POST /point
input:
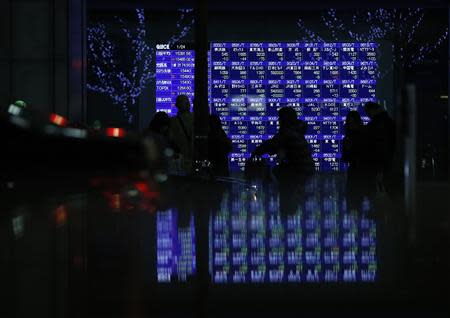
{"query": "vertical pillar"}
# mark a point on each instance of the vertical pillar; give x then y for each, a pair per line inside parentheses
(60, 42)
(5, 52)
(410, 164)
(42, 45)
(77, 60)
(31, 53)
(201, 109)
(201, 126)
(448, 101)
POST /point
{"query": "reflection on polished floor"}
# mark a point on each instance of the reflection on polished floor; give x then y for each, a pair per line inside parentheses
(313, 236)
(195, 247)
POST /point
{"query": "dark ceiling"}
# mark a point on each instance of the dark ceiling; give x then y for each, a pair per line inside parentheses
(262, 5)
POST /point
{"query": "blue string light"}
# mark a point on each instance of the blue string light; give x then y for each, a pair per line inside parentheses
(398, 26)
(124, 84)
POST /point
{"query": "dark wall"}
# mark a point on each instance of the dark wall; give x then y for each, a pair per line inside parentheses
(432, 122)
(38, 63)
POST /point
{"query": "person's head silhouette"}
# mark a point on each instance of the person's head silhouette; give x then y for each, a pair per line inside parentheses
(160, 123)
(183, 104)
(353, 120)
(372, 109)
(287, 116)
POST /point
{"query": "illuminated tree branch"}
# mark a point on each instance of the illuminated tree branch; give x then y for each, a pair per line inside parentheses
(124, 81)
(397, 26)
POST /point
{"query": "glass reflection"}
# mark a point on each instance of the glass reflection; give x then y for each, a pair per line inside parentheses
(175, 247)
(270, 235)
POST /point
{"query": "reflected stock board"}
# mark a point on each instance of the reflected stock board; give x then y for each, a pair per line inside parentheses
(274, 238)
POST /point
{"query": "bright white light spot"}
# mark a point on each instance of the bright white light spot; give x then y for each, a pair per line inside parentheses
(161, 177)
(14, 110)
(168, 152)
(75, 133)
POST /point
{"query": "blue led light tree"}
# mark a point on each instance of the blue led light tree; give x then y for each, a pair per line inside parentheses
(396, 26)
(123, 78)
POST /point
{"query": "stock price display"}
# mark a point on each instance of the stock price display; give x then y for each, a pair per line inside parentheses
(249, 82)
(174, 75)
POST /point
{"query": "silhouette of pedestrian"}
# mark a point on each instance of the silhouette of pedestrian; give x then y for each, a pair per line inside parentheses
(159, 146)
(360, 183)
(289, 144)
(380, 139)
(181, 132)
(219, 146)
(353, 143)
(159, 125)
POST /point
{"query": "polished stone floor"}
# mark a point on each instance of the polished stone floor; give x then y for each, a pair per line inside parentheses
(123, 247)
